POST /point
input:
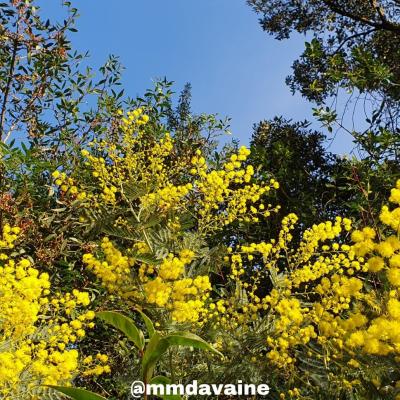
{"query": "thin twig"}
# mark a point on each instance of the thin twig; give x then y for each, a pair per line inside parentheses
(8, 86)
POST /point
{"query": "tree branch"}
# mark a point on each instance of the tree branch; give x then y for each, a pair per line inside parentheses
(7, 89)
(353, 37)
(384, 25)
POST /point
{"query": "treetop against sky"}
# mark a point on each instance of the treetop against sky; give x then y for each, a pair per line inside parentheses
(235, 69)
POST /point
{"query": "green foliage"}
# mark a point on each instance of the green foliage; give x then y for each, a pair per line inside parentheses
(44, 82)
(157, 345)
(355, 48)
(350, 69)
(125, 325)
(148, 323)
(77, 394)
(295, 156)
(60, 106)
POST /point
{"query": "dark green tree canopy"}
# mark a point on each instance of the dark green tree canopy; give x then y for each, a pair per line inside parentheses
(281, 17)
(350, 69)
(295, 155)
(355, 45)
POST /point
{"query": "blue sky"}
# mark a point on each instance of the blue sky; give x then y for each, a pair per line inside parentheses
(235, 68)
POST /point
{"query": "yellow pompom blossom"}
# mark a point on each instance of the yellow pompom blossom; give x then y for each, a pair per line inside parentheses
(165, 285)
(38, 331)
(146, 175)
(114, 270)
(322, 299)
(67, 185)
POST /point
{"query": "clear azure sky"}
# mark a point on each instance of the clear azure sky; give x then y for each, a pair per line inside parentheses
(235, 68)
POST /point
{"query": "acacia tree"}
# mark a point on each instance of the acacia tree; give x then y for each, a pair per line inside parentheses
(141, 217)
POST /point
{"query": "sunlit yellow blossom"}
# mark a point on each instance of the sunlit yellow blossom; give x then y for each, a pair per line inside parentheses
(36, 340)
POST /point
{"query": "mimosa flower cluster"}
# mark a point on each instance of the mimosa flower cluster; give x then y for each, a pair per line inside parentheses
(38, 330)
(113, 270)
(160, 179)
(184, 296)
(142, 176)
(165, 285)
(334, 298)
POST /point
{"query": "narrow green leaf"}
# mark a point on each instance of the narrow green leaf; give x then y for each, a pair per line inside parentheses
(125, 325)
(151, 356)
(147, 321)
(159, 345)
(189, 340)
(77, 394)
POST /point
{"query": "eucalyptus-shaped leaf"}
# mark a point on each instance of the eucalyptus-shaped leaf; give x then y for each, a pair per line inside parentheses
(153, 349)
(125, 325)
(147, 321)
(159, 345)
(190, 340)
(77, 394)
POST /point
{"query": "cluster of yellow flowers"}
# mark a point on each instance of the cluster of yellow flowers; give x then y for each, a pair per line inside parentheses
(38, 333)
(289, 330)
(10, 235)
(290, 268)
(137, 161)
(323, 291)
(165, 285)
(168, 197)
(184, 297)
(130, 160)
(227, 195)
(133, 119)
(114, 270)
(96, 365)
(380, 335)
(67, 185)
